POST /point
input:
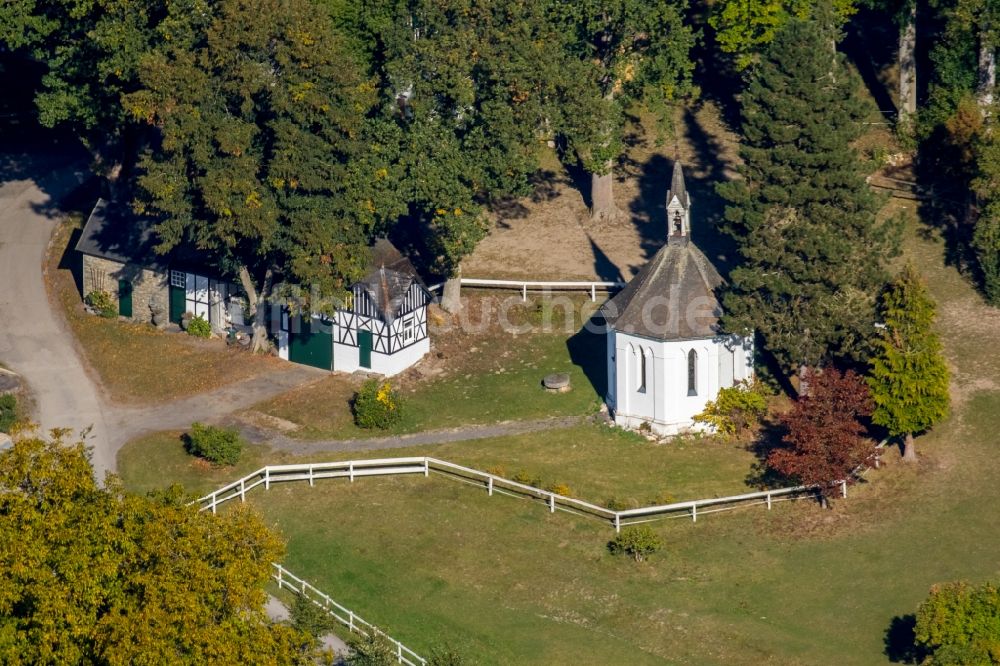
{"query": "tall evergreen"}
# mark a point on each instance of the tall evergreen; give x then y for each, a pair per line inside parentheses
(909, 377)
(812, 252)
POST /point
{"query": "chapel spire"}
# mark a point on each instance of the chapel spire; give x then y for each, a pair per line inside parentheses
(678, 207)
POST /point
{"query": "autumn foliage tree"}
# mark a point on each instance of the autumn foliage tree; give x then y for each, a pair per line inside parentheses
(96, 575)
(959, 624)
(825, 439)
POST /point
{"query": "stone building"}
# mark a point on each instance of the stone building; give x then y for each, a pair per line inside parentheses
(666, 355)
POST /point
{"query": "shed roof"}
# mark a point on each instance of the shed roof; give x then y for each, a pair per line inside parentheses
(390, 275)
(114, 232)
(670, 298)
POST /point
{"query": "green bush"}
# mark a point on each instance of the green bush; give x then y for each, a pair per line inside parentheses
(103, 303)
(560, 488)
(445, 656)
(736, 409)
(309, 618)
(199, 327)
(221, 446)
(636, 542)
(527, 478)
(8, 412)
(371, 650)
(376, 405)
(620, 503)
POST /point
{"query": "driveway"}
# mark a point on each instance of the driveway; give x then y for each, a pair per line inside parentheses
(36, 343)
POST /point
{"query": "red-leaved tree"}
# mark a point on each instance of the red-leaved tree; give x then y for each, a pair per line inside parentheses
(824, 437)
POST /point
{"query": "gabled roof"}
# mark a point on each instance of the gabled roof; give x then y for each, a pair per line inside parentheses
(113, 232)
(389, 278)
(671, 298)
(677, 187)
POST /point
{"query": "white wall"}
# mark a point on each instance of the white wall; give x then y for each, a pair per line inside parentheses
(346, 358)
(665, 404)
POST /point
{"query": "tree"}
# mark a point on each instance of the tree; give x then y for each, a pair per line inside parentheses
(372, 649)
(812, 252)
(909, 377)
(97, 575)
(986, 186)
(824, 437)
(959, 624)
(631, 51)
(638, 542)
(260, 159)
(745, 27)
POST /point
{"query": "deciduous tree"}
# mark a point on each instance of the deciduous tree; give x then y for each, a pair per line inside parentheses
(97, 575)
(909, 376)
(812, 252)
(825, 439)
(959, 624)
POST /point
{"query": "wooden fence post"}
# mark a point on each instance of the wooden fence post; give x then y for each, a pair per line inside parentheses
(694, 513)
(489, 486)
(593, 293)
(843, 489)
(427, 468)
(552, 502)
(769, 501)
(350, 620)
(524, 291)
(350, 470)
(213, 502)
(618, 523)
(311, 483)
(267, 478)
(243, 490)
(280, 570)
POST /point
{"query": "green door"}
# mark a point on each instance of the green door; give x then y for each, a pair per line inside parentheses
(125, 298)
(177, 303)
(311, 346)
(365, 349)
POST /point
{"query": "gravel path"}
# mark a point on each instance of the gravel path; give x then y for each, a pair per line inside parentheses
(281, 442)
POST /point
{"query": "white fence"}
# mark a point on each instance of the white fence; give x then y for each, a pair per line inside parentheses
(352, 469)
(287, 580)
(525, 285)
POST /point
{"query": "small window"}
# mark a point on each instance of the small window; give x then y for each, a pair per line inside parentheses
(642, 371)
(692, 372)
(409, 330)
(177, 279)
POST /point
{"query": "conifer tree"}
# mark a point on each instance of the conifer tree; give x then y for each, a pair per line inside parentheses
(909, 377)
(803, 217)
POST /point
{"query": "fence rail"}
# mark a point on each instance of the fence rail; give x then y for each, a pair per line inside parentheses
(287, 580)
(535, 285)
(352, 469)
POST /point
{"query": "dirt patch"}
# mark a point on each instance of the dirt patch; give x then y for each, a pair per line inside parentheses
(552, 236)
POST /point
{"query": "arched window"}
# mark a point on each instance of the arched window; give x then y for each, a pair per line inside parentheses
(692, 372)
(642, 371)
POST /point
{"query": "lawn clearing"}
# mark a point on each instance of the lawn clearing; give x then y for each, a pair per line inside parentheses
(135, 362)
(469, 378)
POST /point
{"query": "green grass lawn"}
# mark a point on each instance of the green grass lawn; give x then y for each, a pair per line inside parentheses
(596, 462)
(506, 582)
(495, 379)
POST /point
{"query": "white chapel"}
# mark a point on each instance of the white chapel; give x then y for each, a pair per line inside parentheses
(666, 354)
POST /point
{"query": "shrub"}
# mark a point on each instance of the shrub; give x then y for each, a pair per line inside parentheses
(8, 412)
(199, 327)
(371, 650)
(560, 489)
(527, 478)
(376, 405)
(637, 542)
(445, 656)
(309, 618)
(103, 303)
(620, 503)
(221, 446)
(736, 409)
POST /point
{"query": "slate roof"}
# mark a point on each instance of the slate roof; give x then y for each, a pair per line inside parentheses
(389, 278)
(677, 186)
(671, 298)
(113, 232)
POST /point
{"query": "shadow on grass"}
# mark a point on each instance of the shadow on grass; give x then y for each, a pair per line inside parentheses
(769, 438)
(900, 641)
(588, 350)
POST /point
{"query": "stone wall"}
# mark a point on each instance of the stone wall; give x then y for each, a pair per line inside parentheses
(148, 285)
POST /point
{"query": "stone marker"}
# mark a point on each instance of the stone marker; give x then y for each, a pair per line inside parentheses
(557, 382)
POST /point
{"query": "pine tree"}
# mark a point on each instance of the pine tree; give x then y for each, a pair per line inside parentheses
(804, 219)
(909, 377)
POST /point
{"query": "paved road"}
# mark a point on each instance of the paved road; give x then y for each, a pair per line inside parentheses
(36, 343)
(33, 339)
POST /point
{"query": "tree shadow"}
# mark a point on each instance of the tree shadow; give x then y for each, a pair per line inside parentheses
(649, 208)
(588, 350)
(578, 176)
(870, 43)
(769, 437)
(707, 207)
(900, 641)
(715, 74)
